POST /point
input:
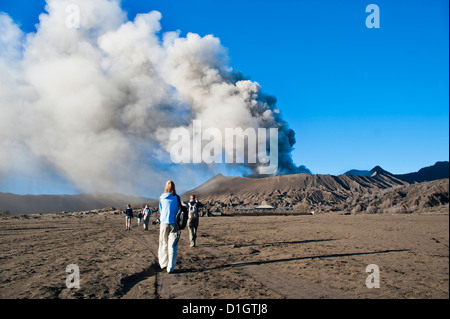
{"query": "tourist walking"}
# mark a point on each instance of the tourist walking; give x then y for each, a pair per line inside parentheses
(146, 212)
(169, 204)
(139, 217)
(193, 218)
(128, 216)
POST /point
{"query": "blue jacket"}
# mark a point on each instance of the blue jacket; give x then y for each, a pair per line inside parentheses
(129, 212)
(168, 207)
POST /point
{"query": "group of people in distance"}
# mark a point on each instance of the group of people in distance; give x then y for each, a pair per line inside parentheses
(145, 215)
(169, 235)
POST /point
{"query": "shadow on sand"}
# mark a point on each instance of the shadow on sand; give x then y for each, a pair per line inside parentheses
(264, 262)
(277, 243)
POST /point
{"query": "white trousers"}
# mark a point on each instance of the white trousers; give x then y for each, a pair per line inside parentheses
(168, 245)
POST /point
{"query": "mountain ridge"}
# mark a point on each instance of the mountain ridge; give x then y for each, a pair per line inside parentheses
(232, 191)
(323, 191)
(437, 171)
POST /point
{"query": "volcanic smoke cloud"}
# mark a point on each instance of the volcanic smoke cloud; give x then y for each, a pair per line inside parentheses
(96, 104)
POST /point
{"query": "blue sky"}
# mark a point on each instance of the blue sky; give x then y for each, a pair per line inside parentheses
(356, 97)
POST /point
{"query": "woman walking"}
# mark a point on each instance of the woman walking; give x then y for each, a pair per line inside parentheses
(147, 212)
(169, 204)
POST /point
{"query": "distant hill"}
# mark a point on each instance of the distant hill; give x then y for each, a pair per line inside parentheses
(27, 204)
(358, 172)
(375, 170)
(349, 192)
(288, 190)
(437, 171)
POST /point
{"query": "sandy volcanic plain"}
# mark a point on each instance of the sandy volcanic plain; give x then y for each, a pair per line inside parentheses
(307, 256)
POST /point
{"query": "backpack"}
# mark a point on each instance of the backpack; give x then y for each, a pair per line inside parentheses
(182, 215)
(193, 212)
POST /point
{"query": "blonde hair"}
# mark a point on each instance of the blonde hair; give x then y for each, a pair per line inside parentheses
(170, 188)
